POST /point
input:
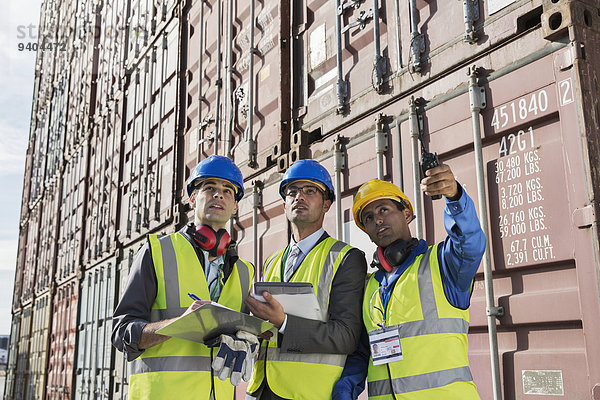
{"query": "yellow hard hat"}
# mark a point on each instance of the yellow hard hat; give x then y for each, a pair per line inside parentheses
(376, 190)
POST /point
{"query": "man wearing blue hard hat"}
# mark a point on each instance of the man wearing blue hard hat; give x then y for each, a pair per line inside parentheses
(307, 357)
(167, 275)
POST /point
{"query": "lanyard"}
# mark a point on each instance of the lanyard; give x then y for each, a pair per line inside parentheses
(371, 307)
(283, 261)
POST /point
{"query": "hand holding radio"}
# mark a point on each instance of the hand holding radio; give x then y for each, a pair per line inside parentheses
(438, 180)
(429, 161)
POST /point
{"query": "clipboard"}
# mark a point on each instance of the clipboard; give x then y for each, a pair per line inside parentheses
(211, 320)
(297, 298)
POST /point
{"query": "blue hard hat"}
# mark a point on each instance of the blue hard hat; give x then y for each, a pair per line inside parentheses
(307, 170)
(217, 167)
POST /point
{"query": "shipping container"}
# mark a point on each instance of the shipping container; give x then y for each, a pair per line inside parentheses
(149, 139)
(224, 79)
(23, 367)
(62, 340)
(57, 127)
(138, 23)
(27, 178)
(20, 268)
(374, 59)
(95, 354)
(13, 347)
(46, 52)
(72, 211)
(31, 255)
(47, 243)
(103, 198)
(65, 38)
(39, 142)
(111, 54)
(38, 352)
(83, 75)
(540, 178)
(364, 83)
(120, 370)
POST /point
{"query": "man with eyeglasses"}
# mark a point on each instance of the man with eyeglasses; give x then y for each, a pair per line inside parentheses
(200, 260)
(415, 307)
(307, 357)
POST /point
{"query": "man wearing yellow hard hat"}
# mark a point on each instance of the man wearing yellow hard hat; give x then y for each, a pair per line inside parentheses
(415, 307)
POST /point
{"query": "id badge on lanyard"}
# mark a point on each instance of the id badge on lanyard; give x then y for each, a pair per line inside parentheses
(384, 342)
(385, 345)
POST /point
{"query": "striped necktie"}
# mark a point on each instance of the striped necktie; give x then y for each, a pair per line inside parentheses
(290, 263)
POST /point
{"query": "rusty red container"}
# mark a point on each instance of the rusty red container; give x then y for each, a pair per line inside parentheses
(217, 86)
(62, 340)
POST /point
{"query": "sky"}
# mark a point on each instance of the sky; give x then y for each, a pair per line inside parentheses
(16, 92)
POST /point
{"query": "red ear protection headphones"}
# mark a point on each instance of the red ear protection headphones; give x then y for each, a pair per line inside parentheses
(393, 255)
(215, 243)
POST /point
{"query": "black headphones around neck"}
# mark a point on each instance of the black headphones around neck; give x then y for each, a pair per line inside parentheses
(393, 255)
(215, 242)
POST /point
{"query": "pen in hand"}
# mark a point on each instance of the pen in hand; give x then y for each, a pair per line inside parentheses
(193, 296)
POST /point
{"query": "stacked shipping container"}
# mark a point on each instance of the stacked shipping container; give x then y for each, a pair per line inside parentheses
(148, 89)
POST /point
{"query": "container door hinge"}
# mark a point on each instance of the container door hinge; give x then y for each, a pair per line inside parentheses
(584, 217)
(381, 143)
(497, 312)
(476, 92)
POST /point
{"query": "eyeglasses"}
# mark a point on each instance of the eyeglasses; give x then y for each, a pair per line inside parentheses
(308, 190)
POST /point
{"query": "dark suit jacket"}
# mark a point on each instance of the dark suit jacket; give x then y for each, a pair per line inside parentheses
(341, 333)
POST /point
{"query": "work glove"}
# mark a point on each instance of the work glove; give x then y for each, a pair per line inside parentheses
(235, 358)
(252, 349)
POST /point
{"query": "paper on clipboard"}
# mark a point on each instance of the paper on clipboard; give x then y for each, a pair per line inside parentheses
(211, 320)
(297, 298)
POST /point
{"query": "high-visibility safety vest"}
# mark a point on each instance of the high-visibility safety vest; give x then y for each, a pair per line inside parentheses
(178, 368)
(303, 376)
(433, 337)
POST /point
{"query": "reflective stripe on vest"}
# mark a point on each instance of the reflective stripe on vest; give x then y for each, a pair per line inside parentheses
(416, 372)
(186, 364)
(160, 364)
(287, 373)
(419, 382)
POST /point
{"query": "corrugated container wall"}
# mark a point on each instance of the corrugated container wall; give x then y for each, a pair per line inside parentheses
(72, 210)
(83, 75)
(103, 183)
(63, 333)
(94, 356)
(149, 138)
(31, 255)
(39, 347)
(146, 89)
(48, 242)
(23, 367)
(11, 368)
